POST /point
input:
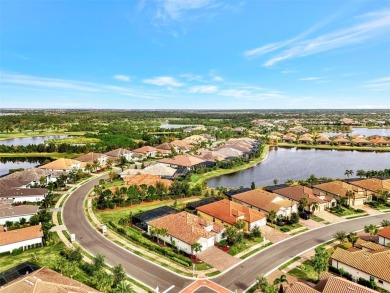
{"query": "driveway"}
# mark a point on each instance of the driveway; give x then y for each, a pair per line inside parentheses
(310, 224)
(272, 234)
(329, 217)
(218, 258)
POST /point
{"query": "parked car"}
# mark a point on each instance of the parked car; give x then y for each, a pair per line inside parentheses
(305, 216)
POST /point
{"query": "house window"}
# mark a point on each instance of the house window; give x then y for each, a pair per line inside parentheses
(380, 281)
(372, 279)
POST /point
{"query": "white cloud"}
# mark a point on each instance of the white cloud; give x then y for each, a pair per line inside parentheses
(371, 25)
(214, 76)
(246, 93)
(121, 77)
(176, 9)
(310, 78)
(204, 89)
(191, 77)
(379, 84)
(163, 81)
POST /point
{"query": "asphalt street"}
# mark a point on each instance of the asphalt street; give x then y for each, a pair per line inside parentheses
(239, 278)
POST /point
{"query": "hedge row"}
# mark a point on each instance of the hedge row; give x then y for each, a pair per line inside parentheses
(139, 239)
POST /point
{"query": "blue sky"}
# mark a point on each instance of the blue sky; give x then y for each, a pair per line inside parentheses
(195, 54)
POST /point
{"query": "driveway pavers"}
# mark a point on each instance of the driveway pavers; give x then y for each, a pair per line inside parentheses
(218, 258)
(272, 234)
(329, 217)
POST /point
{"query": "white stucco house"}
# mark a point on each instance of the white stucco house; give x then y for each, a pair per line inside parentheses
(21, 238)
(384, 236)
(185, 229)
(9, 213)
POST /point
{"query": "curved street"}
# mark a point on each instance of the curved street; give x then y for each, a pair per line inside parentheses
(239, 278)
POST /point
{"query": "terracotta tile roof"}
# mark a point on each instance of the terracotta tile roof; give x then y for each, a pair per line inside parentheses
(156, 169)
(323, 139)
(147, 180)
(263, 200)
(187, 227)
(297, 192)
(183, 160)
(229, 152)
(90, 157)
(385, 232)
(228, 212)
(361, 140)
(165, 146)
(118, 153)
(375, 263)
(380, 140)
(337, 187)
(211, 156)
(62, 164)
(17, 192)
(19, 235)
(30, 174)
(333, 284)
(183, 145)
(342, 139)
(372, 184)
(368, 245)
(145, 149)
(299, 287)
(45, 280)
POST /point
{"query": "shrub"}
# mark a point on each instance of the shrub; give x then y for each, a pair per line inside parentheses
(294, 218)
(285, 229)
(17, 251)
(367, 283)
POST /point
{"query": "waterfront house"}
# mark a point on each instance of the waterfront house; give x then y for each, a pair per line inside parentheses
(64, 164)
(296, 193)
(161, 170)
(265, 202)
(339, 188)
(227, 212)
(184, 161)
(92, 157)
(341, 140)
(360, 141)
(20, 238)
(185, 229)
(32, 175)
(366, 264)
(380, 142)
(146, 179)
(323, 140)
(372, 185)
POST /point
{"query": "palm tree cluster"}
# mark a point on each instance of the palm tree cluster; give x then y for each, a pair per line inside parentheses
(264, 286)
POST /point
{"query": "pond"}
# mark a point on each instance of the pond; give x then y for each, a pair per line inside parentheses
(30, 140)
(292, 163)
(174, 126)
(14, 163)
(365, 132)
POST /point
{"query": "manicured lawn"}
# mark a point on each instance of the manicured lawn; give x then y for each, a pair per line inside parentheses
(380, 206)
(285, 265)
(115, 215)
(287, 228)
(117, 182)
(305, 271)
(317, 219)
(342, 211)
(245, 244)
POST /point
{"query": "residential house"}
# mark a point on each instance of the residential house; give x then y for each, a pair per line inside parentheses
(296, 193)
(384, 236)
(10, 213)
(371, 185)
(66, 165)
(184, 161)
(323, 140)
(341, 140)
(361, 142)
(161, 170)
(32, 175)
(211, 156)
(289, 139)
(185, 229)
(146, 151)
(305, 139)
(45, 280)
(298, 129)
(380, 142)
(369, 265)
(340, 189)
(118, 153)
(20, 238)
(266, 202)
(227, 212)
(141, 220)
(328, 284)
(146, 179)
(19, 191)
(92, 157)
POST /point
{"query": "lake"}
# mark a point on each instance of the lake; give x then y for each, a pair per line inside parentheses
(30, 140)
(293, 163)
(174, 126)
(7, 163)
(365, 132)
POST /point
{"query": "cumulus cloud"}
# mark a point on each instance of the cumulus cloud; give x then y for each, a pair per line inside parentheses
(163, 81)
(204, 89)
(122, 77)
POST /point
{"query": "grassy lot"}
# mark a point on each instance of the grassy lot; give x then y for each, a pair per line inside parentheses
(30, 133)
(317, 219)
(255, 250)
(305, 271)
(333, 147)
(342, 211)
(285, 265)
(118, 182)
(286, 228)
(380, 206)
(200, 178)
(115, 215)
(74, 140)
(245, 244)
(49, 155)
(300, 231)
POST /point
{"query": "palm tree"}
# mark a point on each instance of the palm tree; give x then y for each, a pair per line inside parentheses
(123, 287)
(349, 194)
(353, 237)
(348, 173)
(371, 229)
(103, 280)
(385, 223)
(282, 279)
(314, 206)
(88, 168)
(340, 236)
(272, 216)
(196, 247)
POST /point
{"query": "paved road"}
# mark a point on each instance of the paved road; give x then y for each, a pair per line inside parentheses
(239, 278)
(95, 243)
